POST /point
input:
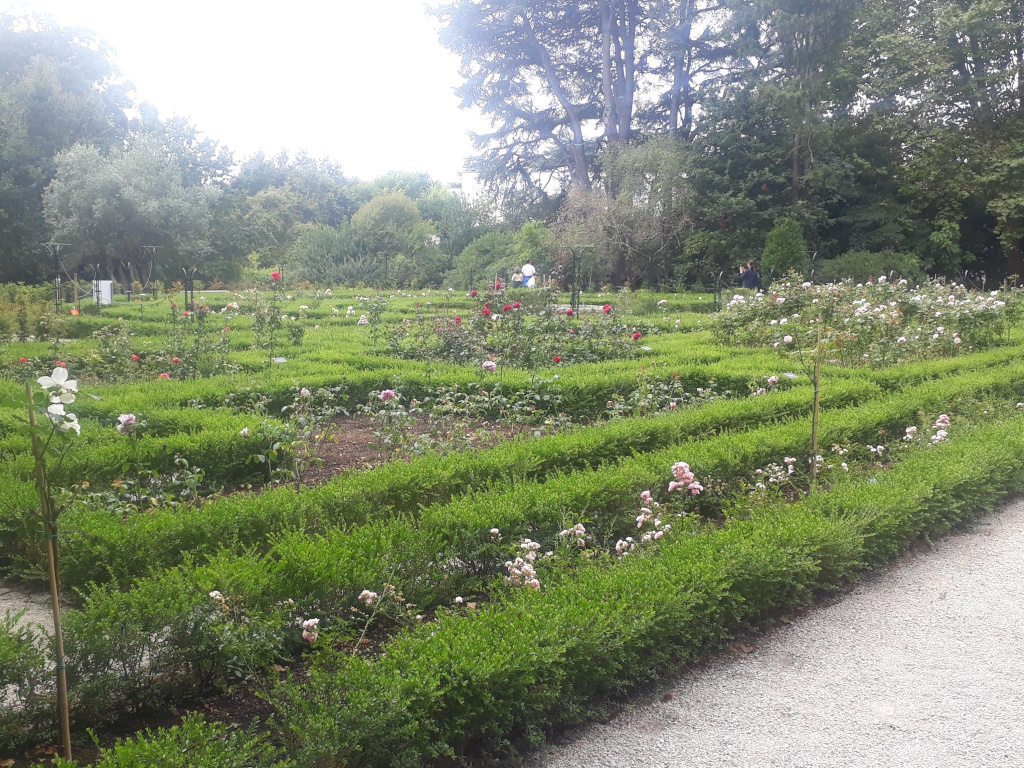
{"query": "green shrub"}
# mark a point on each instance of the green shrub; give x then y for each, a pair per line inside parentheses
(860, 266)
(487, 683)
(25, 682)
(193, 744)
(785, 249)
(98, 547)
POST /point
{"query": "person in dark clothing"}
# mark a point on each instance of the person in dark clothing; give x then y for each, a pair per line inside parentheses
(749, 277)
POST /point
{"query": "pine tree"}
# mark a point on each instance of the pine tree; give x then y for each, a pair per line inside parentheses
(785, 249)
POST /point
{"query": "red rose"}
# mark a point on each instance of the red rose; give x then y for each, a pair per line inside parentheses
(497, 285)
(175, 360)
(165, 375)
(556, 359)
(60, 364)
(135, 357)
(185, 313)
(275, 276)
(487, 304)
(637, 335)
(607, 308)
(227, 327)
(507, 307)
(485, 312)
(568, 313)
(472, 294)
(516, 305)
(458, 320)
(23, 360)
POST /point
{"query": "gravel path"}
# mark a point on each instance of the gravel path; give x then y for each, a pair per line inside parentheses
(918, 667)
(36, 605)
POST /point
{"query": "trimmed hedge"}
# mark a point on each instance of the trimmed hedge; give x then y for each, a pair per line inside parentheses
(158, 642)
(502, 676)
(494, 680)
(192, 744)
(97, 547)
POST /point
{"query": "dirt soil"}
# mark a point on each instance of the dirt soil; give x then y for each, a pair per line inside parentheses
(353, 446)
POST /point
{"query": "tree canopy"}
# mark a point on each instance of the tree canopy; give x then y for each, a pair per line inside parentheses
(668, 139)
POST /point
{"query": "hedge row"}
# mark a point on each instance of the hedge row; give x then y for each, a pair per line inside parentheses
(496, 679)
(586, 387)
(493, 681)
(449, 550)
(211, 441)
(97, 547)
(164, 640)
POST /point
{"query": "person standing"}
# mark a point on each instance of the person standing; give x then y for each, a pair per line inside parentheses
(750, 278)
(529, 275)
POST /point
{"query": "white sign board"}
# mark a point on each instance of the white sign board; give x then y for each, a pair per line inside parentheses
(103, 292)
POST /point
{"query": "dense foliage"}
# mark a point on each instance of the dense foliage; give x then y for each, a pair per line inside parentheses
(635, 503)
(661, 142)
(874, 323)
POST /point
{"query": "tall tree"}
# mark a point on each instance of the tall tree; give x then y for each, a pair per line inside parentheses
(534, 69)
(803, 42)
(560, 80)
(109, 206)
(202, 160)
(269, 200)
(389, 231)
(644, 214)
(58, 86)
(947, 84)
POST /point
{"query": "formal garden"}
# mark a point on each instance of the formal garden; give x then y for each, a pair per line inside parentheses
(314, 527)
(417, 419)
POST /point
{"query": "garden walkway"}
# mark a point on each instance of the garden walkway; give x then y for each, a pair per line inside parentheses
(918, 667)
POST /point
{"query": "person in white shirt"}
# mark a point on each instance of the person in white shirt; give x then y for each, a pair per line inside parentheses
(529, 275)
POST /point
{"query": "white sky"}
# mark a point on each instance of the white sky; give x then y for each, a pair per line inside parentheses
(364, 82)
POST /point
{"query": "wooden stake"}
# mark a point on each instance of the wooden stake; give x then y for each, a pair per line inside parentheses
(814, 414)
(50, 530)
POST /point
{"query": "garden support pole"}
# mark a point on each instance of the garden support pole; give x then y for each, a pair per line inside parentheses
(50, 531)
(814, 413)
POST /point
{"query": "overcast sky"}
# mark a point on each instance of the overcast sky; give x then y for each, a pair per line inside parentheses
(364, 82)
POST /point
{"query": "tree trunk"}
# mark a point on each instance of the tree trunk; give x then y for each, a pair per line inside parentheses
(618, 275)
(579, 169)
(618, 66)
(608, 116)
(796, 168)
(1014, 252)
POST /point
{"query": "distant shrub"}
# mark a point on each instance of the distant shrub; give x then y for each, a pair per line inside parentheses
(861, 266)
(785, 249)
